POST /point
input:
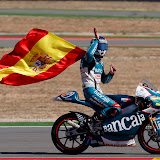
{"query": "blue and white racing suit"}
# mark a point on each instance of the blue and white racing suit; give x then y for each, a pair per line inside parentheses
(92, 73)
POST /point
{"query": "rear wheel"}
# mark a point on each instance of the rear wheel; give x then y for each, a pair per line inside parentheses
(147, 138)
(66, 138)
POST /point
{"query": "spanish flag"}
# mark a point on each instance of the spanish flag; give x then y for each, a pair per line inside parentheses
(40, 55)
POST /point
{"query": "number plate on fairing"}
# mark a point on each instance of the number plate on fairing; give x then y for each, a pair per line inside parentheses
(156, 120)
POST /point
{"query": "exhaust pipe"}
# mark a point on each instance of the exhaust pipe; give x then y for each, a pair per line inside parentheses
(73, 124)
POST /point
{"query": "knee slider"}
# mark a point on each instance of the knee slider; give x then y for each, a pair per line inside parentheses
(117, 107)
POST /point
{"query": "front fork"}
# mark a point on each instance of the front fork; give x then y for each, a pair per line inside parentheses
(153, 124)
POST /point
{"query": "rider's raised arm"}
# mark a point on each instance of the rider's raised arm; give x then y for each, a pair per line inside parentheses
(106, 78)
(91, 51)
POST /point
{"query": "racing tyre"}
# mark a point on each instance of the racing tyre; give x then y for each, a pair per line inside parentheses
(148, 140)
(66, 138)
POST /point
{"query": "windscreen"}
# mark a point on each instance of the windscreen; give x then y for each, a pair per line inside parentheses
(146, 83)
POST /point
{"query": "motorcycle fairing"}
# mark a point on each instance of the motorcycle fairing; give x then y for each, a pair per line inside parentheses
(124, 126)
(142, 91)
(156, 120)
(152, 95)
(155, 98)
(125, 143)
(123, 100)
(72, 96)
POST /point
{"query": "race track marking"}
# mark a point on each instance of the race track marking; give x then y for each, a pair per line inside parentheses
(116, 158)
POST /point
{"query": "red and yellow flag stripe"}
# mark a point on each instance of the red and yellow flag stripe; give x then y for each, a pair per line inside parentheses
(38, 56)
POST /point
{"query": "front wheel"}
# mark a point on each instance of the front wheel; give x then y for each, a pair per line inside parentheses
(148, 140)
(66, 138)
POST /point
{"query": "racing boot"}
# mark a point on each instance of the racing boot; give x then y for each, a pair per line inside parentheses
(95, 123)
(109, 113)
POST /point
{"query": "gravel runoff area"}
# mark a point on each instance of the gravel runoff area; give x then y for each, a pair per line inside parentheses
(86, 5)
(116, 26)
(34, 101)
(14, 24)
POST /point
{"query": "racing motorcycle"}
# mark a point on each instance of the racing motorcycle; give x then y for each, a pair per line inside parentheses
(140, 116)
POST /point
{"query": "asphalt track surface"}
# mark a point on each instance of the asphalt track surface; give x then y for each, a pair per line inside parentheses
(54, 12)
(36, 142)
(112, 42)
(10, 42)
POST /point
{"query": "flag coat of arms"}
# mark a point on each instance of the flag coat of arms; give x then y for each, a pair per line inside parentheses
(40, 55)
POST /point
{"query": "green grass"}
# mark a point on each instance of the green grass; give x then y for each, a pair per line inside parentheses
(76, 16)
(81, 9)
(85, 36)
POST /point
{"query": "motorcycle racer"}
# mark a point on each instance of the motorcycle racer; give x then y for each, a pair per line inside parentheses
(92, 74)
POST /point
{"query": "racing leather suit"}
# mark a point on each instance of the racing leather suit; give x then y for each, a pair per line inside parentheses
(92, 74)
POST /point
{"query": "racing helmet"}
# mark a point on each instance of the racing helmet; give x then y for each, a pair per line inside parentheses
(102, 47)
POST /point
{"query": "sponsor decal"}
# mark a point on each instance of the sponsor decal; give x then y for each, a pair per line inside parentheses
(80, 118)
(125, 99)
(155, 98)
(104, 98)
(67, 94)
(120, 125)
(97, 76)
(130, 143)
(98, 102)
(157, 104)
(98, 70)
(158, 124)
(157, 121)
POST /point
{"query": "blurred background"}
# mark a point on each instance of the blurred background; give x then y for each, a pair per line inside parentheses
(132, 29)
